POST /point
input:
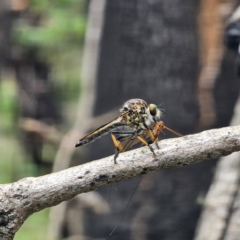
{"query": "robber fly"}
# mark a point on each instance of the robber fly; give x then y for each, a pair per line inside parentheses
(138, 123)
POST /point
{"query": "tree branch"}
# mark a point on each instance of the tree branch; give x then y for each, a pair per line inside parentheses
(29, 195)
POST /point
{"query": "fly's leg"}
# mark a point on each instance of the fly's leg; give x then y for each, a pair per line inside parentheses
(156, 143)
(145, 143)
(117, 143)
(118, 147)
(156, 131)
(116, 155)
(153, 137)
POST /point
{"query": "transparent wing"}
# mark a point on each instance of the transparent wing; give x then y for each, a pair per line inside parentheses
(133, 141)
(126, 136)
(104, 129)
(130, 140)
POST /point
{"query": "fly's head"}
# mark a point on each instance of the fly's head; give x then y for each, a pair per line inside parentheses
(153, 114)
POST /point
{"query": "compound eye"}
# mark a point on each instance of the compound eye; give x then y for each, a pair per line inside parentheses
(152, 109)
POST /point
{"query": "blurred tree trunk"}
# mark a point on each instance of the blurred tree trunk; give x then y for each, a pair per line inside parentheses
(36, 94)
(150, 50)
(36, 102)
(146, 50)
(220, 216)
(6, 19)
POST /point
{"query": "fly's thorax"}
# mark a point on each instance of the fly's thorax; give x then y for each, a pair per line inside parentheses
(134, 119)
(134, 111)
(135, 105)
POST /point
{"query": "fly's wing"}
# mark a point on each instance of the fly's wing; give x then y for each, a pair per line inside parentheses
(104, 129)
(129, 140)
(126, 136)
(132, 141)
(123, 133)
(127, 144)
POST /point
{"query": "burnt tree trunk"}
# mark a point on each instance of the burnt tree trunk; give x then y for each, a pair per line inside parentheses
(36, 101)
(36, 92)
(150, 50)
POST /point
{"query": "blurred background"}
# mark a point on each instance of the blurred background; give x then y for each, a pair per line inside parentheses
(67, 66)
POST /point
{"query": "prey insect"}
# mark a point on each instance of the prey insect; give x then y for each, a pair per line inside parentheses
(138, 123)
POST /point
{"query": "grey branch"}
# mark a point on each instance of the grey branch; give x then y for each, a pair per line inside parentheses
(21, 199)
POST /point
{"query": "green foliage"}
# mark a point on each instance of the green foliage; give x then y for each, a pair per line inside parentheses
(8, 105)
(14, 163)
(61, 31)
(55, 31)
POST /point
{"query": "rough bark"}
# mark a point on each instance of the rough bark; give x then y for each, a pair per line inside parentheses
(29, 195)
